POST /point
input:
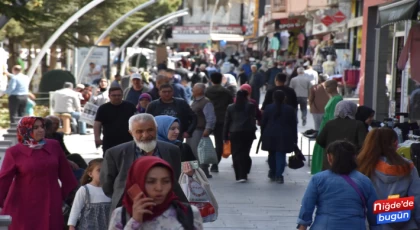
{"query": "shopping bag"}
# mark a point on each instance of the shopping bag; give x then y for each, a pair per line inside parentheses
(227, 149)
(198, 192)
(206, 152)
(89, 113)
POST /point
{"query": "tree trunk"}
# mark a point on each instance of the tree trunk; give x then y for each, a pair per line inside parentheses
(63, 58)
(29, 58)
(12, 61)
(53, 57)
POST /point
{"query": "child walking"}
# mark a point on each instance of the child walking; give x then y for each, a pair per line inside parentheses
(91, 207)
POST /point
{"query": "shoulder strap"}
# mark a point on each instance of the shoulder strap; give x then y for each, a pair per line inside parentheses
(186, 219)
(123, 217)
(353, 184)
(87, 194)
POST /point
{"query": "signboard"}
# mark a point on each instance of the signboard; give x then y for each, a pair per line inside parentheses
(206, 30)
(289, 23)
(339, 17)
(100, 57)
(327, 20)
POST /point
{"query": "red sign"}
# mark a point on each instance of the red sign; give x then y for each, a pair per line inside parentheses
(339, 17)
(327, 20)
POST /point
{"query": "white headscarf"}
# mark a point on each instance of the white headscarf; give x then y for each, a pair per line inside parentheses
(345, 109)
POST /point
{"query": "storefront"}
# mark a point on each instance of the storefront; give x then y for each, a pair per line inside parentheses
(384, 87)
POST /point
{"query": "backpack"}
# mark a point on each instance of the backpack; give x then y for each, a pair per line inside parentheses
(187, 221)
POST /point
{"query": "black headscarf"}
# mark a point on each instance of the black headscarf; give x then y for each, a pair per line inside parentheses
(363, 113)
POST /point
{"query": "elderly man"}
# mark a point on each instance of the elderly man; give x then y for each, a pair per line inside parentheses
(67, 100)
(133, 93)
(18, 91)
(118, 159)
(302, 84)
(256, 81)
(206, 120)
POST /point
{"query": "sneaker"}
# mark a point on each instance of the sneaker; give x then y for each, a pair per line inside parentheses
(214, 168)
(303, 122)
(209, 176)
(241, 181)
(280, 180)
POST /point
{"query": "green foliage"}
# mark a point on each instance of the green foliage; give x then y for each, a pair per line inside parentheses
(54, 80)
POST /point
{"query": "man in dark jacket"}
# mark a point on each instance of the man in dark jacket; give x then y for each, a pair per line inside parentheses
(175, 107)
(220, 97)
(256, 80)
(291, 98)
(271, 74)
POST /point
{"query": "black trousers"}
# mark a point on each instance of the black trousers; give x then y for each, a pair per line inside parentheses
(17, 106)
(241, 143)
(218, 138)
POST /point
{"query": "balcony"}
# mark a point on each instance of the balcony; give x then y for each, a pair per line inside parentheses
(278, 6)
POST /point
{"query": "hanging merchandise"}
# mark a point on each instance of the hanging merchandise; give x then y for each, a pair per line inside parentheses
(411, 49)
(274, 43)
(284, 38)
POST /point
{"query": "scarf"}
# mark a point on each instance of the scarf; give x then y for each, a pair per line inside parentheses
(345, 109)
(137, 175)
(164, 123)
(25, 132)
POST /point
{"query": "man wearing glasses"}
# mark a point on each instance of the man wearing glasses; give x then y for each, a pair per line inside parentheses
(112, 119)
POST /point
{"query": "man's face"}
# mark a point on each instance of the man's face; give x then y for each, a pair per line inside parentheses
(254, 69)
(136, 83)
(143, 131)
(55, 125)
(115, 97)
(197, 91)
(166, 94)
(92, 66)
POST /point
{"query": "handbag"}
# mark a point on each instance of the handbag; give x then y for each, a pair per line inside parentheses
(227, 149)
(206, 152)
(295, 162)
(354, 185)
(198, 192)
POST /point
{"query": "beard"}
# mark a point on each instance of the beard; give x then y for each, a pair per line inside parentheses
(146, 146)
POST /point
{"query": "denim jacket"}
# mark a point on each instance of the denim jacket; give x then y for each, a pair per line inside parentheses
(338, 205)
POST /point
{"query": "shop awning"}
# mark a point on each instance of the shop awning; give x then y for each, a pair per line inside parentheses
(398, 11)
(204, 38)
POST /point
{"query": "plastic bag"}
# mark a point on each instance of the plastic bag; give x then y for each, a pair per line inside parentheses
(198, 192)
(206, 152)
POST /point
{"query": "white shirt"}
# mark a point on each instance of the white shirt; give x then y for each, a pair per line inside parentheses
(313, 75)
(301, 84)
(66, 101)
(97, 68)
(97, 195)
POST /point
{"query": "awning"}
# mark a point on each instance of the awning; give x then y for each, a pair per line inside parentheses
(203, 38)
(398, 11)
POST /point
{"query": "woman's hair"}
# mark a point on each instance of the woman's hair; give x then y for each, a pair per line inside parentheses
(278, 97)
(344, 157)
(379, 143)
(91, 166)
(241, 99)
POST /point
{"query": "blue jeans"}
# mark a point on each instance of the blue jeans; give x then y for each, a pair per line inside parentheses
(80, 124)
(277, 163)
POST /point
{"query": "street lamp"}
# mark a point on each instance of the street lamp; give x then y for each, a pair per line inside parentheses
(109, 29)
(58, 33)
(135, 45)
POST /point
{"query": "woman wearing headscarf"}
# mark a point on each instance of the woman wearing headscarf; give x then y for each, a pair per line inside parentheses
(240, 128)
(149, 201)
(144, 101)
(365, 115)
(229, 82)
(335, 97)
(29, 179)
(343, 127)
(279, 134)
(168, 131)
(248, 88)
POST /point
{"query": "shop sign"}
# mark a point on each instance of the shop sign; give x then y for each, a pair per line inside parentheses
(327, 20)
(339, 17)
(289, 23)
(206, 30)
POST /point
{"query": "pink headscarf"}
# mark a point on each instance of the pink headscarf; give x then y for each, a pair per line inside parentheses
(247, 88)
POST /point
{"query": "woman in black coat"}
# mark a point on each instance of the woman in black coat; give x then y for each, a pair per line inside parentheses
(279, 134)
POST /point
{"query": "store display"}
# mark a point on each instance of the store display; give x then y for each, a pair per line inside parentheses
(410, 51)
(329, 66)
